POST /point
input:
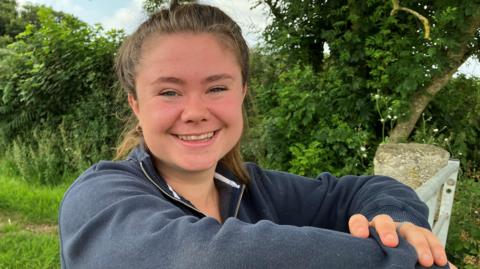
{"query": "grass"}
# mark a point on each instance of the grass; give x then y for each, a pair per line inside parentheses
(21, 248)
(37, 204)
(28, 218)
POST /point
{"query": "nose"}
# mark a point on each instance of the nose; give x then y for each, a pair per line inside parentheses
(195, 110)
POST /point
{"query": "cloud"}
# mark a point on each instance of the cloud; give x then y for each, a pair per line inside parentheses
(127, 18)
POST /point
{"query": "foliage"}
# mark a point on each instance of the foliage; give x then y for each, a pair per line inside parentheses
(9, 25)
(463, 245)
(347, 74)
(305, 123)
(37, 161)
(57, 86)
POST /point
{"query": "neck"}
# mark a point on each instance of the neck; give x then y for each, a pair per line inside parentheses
(197, 187)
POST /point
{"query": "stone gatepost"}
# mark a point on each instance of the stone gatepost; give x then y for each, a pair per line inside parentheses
(412, 164)
(423, 168)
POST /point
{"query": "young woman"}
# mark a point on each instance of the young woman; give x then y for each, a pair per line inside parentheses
(183, 198)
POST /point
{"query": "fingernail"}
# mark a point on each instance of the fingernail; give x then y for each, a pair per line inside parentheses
(362, 232)
(426, 257)
(441, 258)
(390, 238)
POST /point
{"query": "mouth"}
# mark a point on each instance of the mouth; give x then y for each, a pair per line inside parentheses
(197, 138)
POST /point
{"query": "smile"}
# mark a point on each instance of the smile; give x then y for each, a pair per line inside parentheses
(201, 137)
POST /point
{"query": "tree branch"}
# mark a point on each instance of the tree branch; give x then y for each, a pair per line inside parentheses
(425, 22)
(273, 5)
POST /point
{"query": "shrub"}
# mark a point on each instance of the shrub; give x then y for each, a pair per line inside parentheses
(305, 128)
(463, 244)
(59, 106)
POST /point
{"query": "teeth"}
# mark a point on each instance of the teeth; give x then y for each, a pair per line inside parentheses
(196, 137)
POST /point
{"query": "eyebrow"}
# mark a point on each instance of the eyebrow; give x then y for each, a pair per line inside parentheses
(173, 80)
(179, 81)
(218, 77)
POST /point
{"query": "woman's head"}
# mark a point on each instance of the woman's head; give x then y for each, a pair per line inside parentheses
(187, 18)
(185, 70)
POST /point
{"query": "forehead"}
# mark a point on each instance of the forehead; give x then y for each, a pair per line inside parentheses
(186, 47)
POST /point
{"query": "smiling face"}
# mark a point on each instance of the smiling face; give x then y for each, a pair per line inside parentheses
(189, 101)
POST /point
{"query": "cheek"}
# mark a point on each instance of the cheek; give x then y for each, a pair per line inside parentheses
(158, 116)
(230, 111)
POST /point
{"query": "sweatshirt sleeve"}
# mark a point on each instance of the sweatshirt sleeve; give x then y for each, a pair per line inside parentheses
(328, 202)
(111, 219)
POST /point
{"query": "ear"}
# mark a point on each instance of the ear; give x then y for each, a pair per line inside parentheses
(133, 104)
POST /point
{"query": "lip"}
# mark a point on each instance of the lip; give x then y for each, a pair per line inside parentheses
(197, 144)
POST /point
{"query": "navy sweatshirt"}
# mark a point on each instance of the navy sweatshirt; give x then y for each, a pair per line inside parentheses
(124, 215)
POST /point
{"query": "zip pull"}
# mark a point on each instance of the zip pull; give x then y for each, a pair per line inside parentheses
(166, 193)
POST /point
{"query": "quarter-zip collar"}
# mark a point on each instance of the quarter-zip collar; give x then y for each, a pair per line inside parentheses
(229, 188)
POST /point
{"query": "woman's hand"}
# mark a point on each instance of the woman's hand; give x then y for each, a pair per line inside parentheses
(428, 247)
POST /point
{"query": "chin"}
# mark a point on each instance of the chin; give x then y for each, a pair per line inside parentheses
(196, 166)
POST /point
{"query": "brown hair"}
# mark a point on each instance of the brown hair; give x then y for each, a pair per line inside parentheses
(194, 18)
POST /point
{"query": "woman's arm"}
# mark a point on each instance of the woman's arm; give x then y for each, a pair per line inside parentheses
(112, 219)
(331, 203)
(328, 202)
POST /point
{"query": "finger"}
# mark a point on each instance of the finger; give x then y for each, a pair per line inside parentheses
(437, 249)
(418, 240)
(358, 226)
(386, 229)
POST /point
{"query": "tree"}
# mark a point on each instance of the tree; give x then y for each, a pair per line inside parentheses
(382, 44)
(347, 74)
(9, 24)
(13, 19)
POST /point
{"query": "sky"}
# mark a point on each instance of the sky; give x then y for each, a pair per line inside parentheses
(128, 14)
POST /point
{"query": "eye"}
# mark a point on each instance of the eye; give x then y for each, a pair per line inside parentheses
(168, 93)
(217, 89)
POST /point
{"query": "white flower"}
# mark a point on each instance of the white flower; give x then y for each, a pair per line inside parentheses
(382, 120)
(435, 130)
(364, 155)
(446, 139)
(377, 96)
(394, 117)
(362, 148)
(389, 116)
